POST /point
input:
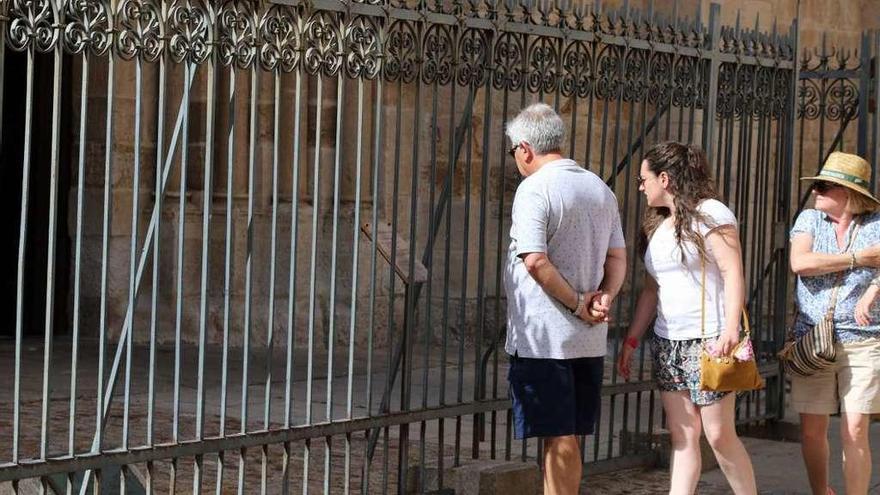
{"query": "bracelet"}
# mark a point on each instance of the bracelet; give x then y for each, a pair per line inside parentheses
(582, 301)
(852, 260)
(632, 342)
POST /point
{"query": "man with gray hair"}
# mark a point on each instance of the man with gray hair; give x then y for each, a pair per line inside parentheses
(566, 264)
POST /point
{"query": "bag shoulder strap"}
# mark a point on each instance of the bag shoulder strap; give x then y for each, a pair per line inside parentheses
(829, 313)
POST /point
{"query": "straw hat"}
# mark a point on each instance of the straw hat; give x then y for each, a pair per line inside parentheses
(847, 170)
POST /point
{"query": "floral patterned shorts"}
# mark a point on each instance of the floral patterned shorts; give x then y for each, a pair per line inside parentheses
(677, 367)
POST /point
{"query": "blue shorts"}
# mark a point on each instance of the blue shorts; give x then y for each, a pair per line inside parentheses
(555, 397)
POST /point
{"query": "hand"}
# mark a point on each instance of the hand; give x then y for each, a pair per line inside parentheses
(624, 359)
(726, 343)
(598, 308)
(863, 306)
(870, 256)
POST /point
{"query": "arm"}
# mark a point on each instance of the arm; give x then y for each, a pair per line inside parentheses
(548, 277)
(615, 273)
(804, 262)
(724, 243)
(863, 306)
(646, 310)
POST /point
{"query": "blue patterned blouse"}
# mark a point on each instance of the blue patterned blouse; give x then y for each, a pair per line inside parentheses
(814, 292)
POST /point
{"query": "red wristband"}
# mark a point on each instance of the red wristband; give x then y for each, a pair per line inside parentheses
(632, 342)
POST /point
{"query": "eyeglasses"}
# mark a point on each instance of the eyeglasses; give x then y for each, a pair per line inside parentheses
(512, 150)
(822, 186)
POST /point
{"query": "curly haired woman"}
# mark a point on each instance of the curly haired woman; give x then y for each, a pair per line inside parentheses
(687, 232)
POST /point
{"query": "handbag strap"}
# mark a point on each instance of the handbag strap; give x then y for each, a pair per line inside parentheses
(829, 313)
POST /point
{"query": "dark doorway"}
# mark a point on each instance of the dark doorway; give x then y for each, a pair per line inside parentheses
(12, 149)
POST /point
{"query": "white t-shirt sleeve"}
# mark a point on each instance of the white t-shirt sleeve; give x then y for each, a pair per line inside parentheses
(717, 214)
(530, 215)
(617, 240)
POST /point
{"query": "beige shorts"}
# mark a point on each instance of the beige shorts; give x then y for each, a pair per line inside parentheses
(852, 384)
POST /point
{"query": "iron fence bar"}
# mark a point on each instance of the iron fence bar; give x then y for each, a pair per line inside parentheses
(294, 243)
(270, 327)
(253, 130)
(714, 67)
(753, 226)
(154, 303)
(823, 112)
(313, 273)
(181, 232)
(462, 318)
(227, 270)
(409, 325)
(594, 47)
(481, 364)
(765, 195)
(430, 280)
(499, 251)
(294, 236)
(132, 249)
(865, 91)
(181, 237)
(54, 163)
(627, 186)
(354, 280)
(331, 337)
(875, 92)
(77, 257)
(633, 261)
(395, 355)
(207, 205)
(447, 246)
(376, 162)
(3, 20)
(22, 245)
(620, 76)
(783, 212)
(97, 443)
(207, 209)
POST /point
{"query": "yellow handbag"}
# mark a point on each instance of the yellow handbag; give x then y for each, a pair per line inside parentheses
(726, 373)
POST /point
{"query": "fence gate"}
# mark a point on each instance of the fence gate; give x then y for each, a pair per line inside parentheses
(836, 105)
(260, 246)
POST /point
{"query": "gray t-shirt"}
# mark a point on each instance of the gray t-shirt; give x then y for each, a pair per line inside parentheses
(571, 215)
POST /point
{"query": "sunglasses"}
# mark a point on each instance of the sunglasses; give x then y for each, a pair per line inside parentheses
(822, 186)
(512, 150)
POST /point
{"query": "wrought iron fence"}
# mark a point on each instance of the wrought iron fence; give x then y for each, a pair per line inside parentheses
(836, 104)
(299, 210)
